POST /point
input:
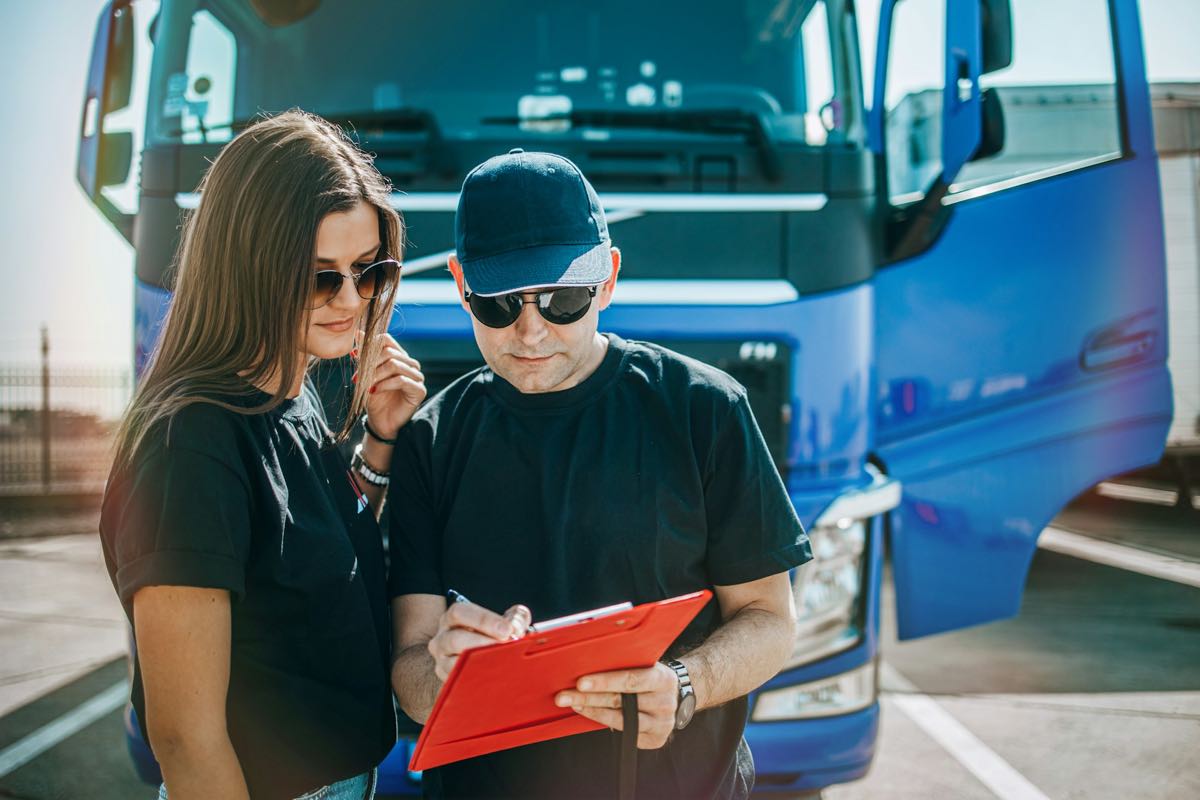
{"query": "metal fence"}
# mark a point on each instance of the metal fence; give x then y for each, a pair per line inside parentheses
(56, 427)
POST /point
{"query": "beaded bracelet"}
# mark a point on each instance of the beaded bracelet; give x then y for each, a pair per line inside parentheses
(360, 465)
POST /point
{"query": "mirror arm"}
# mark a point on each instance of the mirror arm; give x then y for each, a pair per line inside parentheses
(120, 220)
(912, 229)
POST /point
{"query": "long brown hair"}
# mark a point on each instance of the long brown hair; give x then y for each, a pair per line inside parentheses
(245, 273)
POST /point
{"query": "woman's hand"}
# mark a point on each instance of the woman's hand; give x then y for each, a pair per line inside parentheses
(398, 388)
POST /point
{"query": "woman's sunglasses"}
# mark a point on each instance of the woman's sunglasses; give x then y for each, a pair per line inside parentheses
(559, 306)
(370, 281)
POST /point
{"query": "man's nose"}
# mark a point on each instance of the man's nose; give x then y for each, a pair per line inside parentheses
(530, 326)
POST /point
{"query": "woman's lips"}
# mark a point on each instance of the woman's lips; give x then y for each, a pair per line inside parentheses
(339, 326)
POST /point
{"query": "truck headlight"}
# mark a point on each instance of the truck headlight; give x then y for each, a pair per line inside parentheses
(828, 591)
(838, 694)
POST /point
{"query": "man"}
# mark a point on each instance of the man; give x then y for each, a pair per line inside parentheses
(578, 470)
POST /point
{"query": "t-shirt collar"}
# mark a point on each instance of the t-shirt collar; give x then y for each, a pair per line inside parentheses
(587, 389)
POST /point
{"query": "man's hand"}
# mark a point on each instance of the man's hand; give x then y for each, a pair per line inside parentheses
(598, 697)
(466, 625)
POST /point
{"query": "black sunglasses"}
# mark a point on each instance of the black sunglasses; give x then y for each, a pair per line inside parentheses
(370, 281)
(560, 306)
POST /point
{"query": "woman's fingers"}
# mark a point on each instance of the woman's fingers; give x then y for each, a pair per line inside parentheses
(400, 354)
(390, 349)
(391, 368)
(414, 391)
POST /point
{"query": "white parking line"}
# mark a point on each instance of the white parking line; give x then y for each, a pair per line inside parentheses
(992, 771)
(1138, 494)
(1121, 556)
(41, 740)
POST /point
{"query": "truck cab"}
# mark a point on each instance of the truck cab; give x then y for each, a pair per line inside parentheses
(948, 327)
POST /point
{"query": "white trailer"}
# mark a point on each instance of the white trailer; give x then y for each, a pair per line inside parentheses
(1177, 139)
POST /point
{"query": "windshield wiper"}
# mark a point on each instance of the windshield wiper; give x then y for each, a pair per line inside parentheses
(750, 125)
(391, 120)
(371, 124)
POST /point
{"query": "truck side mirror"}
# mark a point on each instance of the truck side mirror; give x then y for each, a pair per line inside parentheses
(991, 140)
(116, 158)
(105, 159)
(979, 41)
(997, 35)
(119, 67)
(996, 42)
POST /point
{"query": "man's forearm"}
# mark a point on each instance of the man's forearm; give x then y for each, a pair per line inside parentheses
(415, 681)
(740, 656)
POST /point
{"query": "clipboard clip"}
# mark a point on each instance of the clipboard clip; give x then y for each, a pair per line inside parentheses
(582, 616)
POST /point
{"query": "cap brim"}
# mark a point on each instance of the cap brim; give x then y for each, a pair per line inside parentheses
(534, 267)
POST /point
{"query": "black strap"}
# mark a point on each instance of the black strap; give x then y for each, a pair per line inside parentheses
(629, 748)
(373, 434)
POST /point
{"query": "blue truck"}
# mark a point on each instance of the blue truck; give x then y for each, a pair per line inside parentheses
(949, 322)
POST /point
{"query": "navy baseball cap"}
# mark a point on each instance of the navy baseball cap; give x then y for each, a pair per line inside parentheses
(527, 220)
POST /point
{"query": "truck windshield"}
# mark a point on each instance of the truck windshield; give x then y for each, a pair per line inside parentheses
(477, 69)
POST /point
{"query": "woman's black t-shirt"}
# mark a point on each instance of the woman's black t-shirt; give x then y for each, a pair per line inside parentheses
(263, 505)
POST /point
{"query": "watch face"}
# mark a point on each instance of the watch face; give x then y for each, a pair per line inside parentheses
(683, 714)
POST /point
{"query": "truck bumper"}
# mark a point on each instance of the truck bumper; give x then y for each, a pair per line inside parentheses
(811, 754)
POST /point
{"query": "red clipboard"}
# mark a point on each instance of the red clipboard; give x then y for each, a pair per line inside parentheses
(502, 695)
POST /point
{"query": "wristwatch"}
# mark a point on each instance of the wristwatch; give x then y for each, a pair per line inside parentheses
(687, 696)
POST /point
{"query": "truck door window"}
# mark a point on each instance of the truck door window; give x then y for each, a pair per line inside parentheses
(915, 77)
(201, 97)
(1059, 96)
(821, 114)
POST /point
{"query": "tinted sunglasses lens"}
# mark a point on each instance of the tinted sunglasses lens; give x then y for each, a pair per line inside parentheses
(328, 283)
(563, 306)
(496, 312)
(375, 279)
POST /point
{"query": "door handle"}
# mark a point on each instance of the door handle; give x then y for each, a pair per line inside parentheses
(1124, 343)
(963, 82)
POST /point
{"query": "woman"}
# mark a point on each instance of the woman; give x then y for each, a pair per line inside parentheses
(244, 549)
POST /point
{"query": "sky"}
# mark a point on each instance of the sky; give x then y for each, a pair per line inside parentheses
(65, 267)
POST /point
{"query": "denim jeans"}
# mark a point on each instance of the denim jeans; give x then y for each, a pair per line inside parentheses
(361, 787)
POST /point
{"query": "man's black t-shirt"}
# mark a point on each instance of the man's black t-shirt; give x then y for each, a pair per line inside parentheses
(263, 506)
(647, 480)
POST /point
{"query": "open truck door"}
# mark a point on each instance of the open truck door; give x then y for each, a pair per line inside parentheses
(1021, 317)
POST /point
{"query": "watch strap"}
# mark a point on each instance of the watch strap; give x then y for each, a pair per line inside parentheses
(686, 692)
